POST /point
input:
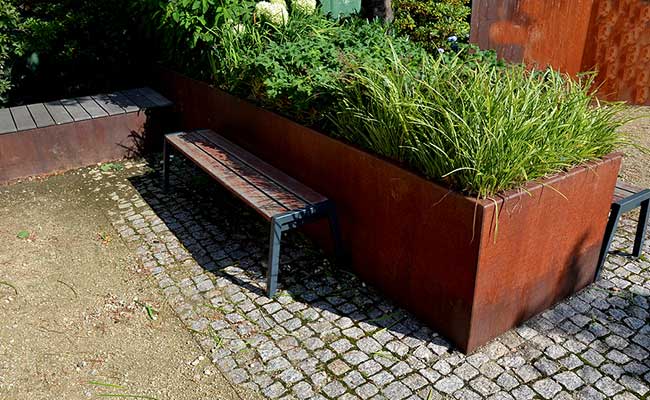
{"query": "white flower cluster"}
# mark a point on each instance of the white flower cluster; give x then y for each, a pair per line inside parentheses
(304, 6)
(274, 13)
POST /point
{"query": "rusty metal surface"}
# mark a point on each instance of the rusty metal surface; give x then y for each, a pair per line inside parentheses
(414, 240)
(610, 36)
(59, 148)
(618, 46)
(546, 246)
(265, 193)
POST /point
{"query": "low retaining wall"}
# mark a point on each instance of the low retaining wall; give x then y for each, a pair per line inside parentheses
(81, 132)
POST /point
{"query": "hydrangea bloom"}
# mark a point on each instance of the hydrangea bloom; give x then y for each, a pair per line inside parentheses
(273, 13)
(239, 29)
(304, 6)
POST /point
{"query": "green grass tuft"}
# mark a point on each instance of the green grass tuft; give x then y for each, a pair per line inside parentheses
(480, 130)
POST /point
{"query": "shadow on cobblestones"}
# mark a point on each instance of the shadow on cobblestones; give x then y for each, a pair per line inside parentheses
(327, 335)
(229, 240)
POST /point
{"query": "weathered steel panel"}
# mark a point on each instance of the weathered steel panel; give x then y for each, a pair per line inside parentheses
(609, 36)
(59, 148)
(618, 46)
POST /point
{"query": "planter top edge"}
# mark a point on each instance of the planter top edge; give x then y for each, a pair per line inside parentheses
(534, 186)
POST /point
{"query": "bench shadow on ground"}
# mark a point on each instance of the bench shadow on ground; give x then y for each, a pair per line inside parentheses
(223, 235)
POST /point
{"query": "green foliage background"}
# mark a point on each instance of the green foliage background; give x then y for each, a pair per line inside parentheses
(431, 22)
(55, 48)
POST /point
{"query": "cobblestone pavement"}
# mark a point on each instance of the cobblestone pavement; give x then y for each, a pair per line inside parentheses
(327, 335)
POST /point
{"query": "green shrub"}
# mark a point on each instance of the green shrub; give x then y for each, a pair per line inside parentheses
(11, 45)
(295, 70)
(68, 47)
(431, 22)
(465, 119)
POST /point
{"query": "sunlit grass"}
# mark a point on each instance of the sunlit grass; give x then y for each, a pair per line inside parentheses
(478, 129)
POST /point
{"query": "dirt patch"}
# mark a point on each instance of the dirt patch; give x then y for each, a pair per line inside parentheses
(74, 306)
(636, 164)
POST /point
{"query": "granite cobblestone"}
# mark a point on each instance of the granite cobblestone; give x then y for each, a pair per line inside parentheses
(328, 335)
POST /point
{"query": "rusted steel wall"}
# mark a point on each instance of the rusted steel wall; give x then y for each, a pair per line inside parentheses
(58, 148)
(537, 32)
(431, 250)
(611, 36)
(618, 46)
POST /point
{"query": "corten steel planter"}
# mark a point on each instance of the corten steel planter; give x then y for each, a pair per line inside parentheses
(435, 252)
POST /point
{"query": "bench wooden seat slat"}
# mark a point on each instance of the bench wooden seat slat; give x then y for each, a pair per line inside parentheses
(250, 174)
(304, 192)
(75, 110)
(108, 104)
(241, 181)
(40, 115)
(154, 96)
(282, 200)
(7, 124)
(58, 112)
(22, 118)
(127, 104)
(93, 109)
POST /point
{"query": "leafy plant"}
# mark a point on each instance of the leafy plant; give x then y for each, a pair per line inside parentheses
(11, 45)
(459, 116)
(52, 49)
(107, 167)
(431, 22)
(293, 69)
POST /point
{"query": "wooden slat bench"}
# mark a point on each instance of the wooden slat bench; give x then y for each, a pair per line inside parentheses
(59, 135)
(627, 197)
(280, 199)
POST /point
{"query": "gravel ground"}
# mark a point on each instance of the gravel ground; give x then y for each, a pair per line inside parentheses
(636, 165)
(71, 300)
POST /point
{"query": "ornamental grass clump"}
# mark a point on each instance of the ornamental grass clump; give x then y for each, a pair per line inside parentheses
(479, 129)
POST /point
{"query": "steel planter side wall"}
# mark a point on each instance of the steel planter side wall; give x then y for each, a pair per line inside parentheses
(608, 36)
(59, 148)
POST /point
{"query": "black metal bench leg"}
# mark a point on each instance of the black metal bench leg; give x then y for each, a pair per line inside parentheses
(166, 159)
(274, 258)
(335, 231)
(641, 228)
(614, 216)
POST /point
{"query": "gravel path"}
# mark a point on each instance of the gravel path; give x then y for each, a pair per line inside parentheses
(636, 165)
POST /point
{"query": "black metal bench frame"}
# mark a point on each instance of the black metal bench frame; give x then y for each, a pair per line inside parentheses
(640, 200)
(279, 223)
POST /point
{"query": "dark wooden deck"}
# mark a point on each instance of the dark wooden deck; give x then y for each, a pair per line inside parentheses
(268, 190)
(41, 115)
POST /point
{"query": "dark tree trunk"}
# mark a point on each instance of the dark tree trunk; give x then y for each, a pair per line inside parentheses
(382, 9)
